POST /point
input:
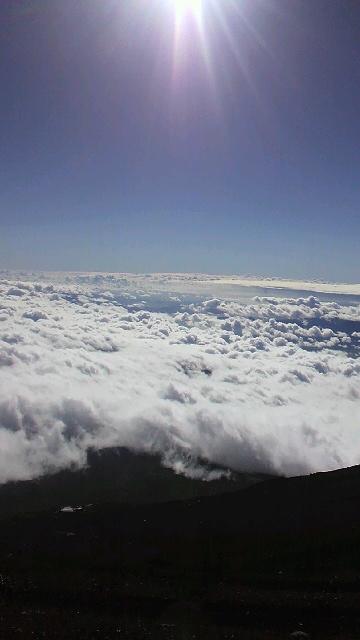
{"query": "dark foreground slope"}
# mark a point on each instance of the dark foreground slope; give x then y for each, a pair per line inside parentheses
(278, 557)
(117, 475)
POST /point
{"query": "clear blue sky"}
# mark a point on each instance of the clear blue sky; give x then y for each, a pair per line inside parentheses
(237, 150)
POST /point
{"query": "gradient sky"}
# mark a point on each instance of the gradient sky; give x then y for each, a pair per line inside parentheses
(232, 146)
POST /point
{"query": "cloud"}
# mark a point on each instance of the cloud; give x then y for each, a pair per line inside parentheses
(35, 315)
(98, 360)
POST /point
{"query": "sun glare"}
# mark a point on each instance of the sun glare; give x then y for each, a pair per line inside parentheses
(183, 7)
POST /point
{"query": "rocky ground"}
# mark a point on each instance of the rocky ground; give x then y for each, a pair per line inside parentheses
(267, 560)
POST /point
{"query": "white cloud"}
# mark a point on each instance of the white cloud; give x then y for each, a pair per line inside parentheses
(89, 360)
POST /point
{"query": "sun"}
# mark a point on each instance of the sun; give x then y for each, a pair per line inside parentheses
(183, 7)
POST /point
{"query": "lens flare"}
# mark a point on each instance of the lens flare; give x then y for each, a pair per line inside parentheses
(189, 29)
(198, 25)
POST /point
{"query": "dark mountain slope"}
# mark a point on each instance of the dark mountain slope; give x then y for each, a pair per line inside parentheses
(117, 476)
(253, 563)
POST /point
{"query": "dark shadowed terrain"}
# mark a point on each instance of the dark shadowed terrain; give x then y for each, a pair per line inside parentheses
(148, 554)
(117, 476)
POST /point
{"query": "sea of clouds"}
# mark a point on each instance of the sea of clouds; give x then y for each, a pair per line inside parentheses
(265, 383)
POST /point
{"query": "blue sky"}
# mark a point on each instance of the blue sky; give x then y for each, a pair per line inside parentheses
(238, 152)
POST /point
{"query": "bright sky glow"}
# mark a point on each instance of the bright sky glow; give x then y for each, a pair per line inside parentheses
(183, 7)
(186, 12)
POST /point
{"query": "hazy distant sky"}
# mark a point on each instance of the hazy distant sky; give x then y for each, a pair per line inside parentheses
(234, 149)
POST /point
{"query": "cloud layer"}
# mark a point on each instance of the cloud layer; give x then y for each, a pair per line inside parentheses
(94, 360)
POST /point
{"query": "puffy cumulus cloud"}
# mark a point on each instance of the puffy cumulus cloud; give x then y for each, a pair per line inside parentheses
(88, 361)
